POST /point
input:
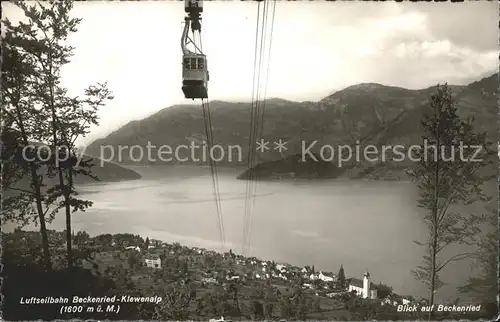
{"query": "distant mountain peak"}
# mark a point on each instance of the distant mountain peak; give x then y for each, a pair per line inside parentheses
(380, 113)
(487, 86)
(365, 86)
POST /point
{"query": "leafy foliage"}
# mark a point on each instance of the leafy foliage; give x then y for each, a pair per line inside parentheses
(40, 108)
(341, 280)
(484, 287)
(446, 174)
(383, 291)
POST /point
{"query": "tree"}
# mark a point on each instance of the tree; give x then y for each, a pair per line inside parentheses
(175, 304)
(317, 283)
(316, 304)
(127, 239)
(484, 287)
(104, 239)
(146, 243)
(133, 260)
(341, 281)
(81, 238)
(286, 308)
(20, 119)
(301, 303)
(383, 291)
(268, 310)
(299, 280)
(257, 309)
(445, 178)
(234, 288)
(68, 118)
(365, 310)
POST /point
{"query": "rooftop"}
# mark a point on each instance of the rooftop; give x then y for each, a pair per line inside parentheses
(359, 283)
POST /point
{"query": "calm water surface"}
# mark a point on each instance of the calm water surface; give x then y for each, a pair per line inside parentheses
(360, 224)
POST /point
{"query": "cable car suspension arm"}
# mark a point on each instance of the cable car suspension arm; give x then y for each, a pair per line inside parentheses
(186, 40)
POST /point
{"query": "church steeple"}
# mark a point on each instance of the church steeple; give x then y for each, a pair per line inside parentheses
(366, 284)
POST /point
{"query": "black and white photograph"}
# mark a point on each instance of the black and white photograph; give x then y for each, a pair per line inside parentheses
(262, 160)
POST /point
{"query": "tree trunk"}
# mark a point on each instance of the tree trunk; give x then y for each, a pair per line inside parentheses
(41, 218)
(69, 236)
(435, 224)
(38, 198)
(433, 269)
(68, 233)
(63, 187)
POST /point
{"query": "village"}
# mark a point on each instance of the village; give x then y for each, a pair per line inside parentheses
(200, 284)
(243, 269)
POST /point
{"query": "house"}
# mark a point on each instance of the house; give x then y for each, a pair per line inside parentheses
(325, 278)
(220, 320)
(209, 280)
(364, 288)
(333, 294)
(137, 248)
(281, 268)
(262, 276)
(155, 242)
(396, 299)
(232, 277)
(389, 301)
(154, 263)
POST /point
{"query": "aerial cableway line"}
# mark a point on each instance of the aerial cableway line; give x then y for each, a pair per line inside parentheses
(257, 115)
(195, 79)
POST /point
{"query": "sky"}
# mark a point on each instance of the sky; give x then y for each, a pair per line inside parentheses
(317, 48)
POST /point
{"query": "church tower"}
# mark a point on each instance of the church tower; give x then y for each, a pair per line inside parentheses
(366, 285)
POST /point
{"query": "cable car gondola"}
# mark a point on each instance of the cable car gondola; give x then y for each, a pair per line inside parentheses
(194, 64)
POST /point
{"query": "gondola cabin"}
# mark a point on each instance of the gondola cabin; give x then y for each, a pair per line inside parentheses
(194, 76)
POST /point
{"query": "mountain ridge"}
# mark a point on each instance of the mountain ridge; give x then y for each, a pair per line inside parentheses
(387, 113)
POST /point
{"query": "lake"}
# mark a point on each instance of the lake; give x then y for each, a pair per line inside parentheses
(360, 224)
